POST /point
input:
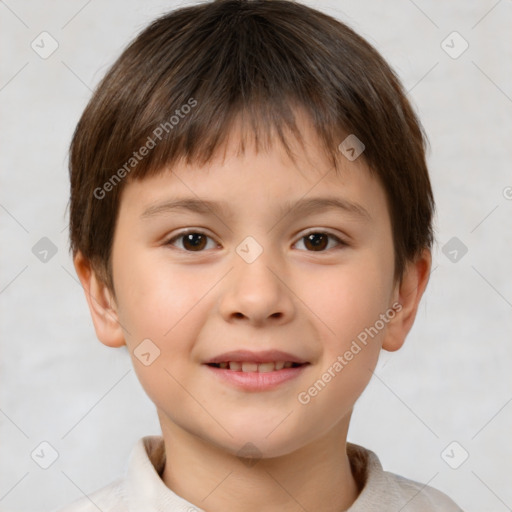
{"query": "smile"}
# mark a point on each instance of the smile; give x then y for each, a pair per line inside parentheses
(255, 367)
(248, 376)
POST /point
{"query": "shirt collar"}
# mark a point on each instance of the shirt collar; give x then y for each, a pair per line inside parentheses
(146, 490)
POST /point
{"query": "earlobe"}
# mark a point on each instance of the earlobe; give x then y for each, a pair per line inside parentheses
(101, 304)
(408, 295)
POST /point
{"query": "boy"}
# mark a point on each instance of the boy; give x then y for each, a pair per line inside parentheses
(251, 216)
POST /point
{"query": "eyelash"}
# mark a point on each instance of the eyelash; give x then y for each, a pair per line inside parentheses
(341, 243)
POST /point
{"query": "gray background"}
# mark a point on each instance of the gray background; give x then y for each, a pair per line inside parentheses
(450, 382)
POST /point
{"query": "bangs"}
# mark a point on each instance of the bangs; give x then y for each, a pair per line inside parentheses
(260, 127)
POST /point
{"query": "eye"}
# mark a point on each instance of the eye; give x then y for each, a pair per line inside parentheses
(192, 241)
(197, 241)
(318, 241)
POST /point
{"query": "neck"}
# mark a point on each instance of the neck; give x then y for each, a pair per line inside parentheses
(314, 477)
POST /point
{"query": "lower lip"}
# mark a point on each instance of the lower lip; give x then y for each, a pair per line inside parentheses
(257, 381)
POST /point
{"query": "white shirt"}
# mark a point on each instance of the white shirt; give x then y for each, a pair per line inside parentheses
(142, 489)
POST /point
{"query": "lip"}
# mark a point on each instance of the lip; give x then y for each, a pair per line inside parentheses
(256, 381)
(248, 356)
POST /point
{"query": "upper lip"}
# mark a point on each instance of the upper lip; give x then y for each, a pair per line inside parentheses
(247, 356)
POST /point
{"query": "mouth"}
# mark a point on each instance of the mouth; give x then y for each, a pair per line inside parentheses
(256, 371)
(249, 361)
(247, 366)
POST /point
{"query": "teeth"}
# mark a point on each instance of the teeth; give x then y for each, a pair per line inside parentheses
(266, 367)
(255, 367)
(249, 367)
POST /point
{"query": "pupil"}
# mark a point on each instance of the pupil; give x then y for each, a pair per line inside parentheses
(194, 241)
(317, 240)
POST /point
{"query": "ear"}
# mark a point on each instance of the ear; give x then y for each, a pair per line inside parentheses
(407, 297)
(101, 303)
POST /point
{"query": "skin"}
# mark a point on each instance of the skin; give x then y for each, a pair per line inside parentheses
(194, 305)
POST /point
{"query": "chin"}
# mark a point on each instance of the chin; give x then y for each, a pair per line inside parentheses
(254, 442)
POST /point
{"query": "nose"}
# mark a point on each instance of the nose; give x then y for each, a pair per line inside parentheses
(257, 293)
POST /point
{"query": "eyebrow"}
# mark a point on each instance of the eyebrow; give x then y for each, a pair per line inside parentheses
(301, 207)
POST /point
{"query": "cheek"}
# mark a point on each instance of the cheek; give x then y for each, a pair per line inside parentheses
(157, 296)
(350, 298)
(162, 310)
(352, 306)
(166, 304)
(349, 303)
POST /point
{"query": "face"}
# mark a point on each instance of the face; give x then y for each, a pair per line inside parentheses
(254, 307)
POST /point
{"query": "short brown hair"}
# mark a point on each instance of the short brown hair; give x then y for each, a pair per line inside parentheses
(208, 64)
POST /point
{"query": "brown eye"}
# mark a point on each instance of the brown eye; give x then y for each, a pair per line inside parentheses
(192, 241)
(319, 241)
(316, 241)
